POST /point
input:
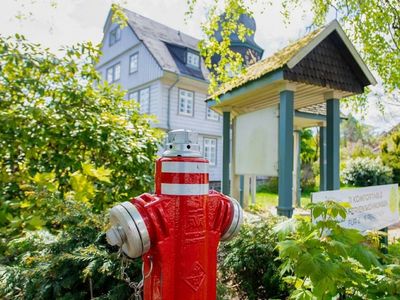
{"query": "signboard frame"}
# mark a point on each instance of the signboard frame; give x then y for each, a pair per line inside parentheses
(372, 208)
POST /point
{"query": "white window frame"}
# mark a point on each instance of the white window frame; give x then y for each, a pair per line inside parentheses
(131, 97)
(136, 56)
(185, 102)
(208, 147)
(211, 115)
(113, 69)
(143, 109)
(193, 60)
(114, 36)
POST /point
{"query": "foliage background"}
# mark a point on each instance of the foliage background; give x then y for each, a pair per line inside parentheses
(71, 146)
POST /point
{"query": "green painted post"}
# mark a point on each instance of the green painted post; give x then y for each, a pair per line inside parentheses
(226, 151)
(322, 158)
(332, 144)
(384, 240)
(298, 182)
(241, 190)
(285, 159)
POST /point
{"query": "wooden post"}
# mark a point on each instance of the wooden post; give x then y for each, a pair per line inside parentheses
(241, 193)
(236, 182)
(384, 240)
(332, 144)
(322, 158)
(285, 159)
(296, 170)
(253, 189)
(226, 126)
(246, 190)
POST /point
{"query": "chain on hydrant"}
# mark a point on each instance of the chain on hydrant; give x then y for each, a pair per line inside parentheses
(177, 230)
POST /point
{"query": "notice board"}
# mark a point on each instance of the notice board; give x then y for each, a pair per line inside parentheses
(256, 143)
(372, 208)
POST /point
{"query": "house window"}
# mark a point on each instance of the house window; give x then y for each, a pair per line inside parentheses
(143, 98)
(133, 63)
(210, 150)
(193, 60)
(113, 73)
(133, 95)
(186, 103)
(212, 115)
(115, 35)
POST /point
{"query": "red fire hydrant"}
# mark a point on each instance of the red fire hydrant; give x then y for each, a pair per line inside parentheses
(177, 230)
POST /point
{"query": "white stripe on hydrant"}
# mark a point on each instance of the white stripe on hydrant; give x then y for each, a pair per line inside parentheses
(184, 189)
(184, 167)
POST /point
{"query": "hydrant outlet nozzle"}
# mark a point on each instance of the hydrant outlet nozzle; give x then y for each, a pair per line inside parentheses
(128, 230)
(116, 236)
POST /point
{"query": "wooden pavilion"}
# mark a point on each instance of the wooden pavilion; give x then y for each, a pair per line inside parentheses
(304, 82)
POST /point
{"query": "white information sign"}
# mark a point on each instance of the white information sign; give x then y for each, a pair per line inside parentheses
(372, 208)
(256, 142)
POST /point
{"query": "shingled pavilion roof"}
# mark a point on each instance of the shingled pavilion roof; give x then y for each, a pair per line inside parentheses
(291, 56)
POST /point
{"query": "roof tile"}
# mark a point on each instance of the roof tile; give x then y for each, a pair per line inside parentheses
(155, 36)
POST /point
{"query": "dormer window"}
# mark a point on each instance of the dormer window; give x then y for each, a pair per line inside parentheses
(193, 60)
(115, 35)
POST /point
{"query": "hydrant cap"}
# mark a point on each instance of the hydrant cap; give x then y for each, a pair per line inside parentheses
(236, 223)
(128, 230)
(182, 142)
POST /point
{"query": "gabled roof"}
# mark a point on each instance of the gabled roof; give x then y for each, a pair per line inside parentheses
(156, 37)
(291, 55)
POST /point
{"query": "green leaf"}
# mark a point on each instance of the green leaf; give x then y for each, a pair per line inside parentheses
(83, 189)
(317, 211)
(285, 228)
(36, 222)
(338, 248)
(302, 294)
(365, 256)
(101, 173)
(289, 249)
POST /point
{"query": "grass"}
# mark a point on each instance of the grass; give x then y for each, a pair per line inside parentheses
(268, 199)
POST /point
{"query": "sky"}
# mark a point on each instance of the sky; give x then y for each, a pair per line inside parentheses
(55, 23)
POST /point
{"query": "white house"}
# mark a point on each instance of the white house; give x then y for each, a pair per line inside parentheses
(160, 67)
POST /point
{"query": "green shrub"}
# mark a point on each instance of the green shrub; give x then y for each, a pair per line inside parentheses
(366, 172)
(55, 116)
(248, 262)
(70, 146)
(391, 154)
(323, 260)
(271, 185)
(394, 251)
(72, 263)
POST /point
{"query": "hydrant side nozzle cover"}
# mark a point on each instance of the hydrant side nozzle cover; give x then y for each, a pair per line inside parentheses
(128, 230)
(236, 223)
